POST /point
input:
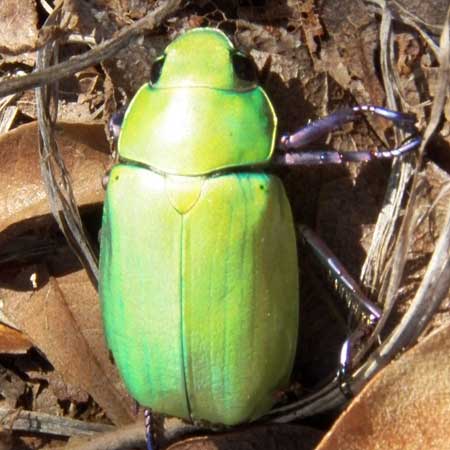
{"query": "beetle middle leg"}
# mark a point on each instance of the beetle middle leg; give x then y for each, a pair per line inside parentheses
(362, 308)
(310, 158)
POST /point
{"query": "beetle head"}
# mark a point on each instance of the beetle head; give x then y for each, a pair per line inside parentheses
(204, 57)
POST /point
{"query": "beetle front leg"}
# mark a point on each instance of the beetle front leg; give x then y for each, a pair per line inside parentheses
(115, 124)
(114, 127)
(320, 128)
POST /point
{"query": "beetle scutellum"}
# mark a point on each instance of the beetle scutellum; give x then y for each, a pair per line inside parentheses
(198, 283)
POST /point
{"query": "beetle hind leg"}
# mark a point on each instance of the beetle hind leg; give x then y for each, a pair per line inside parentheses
(363, 308)
(148, 429)
(366, 312)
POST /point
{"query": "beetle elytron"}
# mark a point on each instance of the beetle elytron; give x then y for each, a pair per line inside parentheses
(199, 279)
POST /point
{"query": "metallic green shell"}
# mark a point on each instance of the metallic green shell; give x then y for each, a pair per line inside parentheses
(199, 291)
(199, 117)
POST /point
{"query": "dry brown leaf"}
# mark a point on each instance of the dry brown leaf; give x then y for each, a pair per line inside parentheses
(12, 388)
(408, 52)
(13, 341)
(350, 51)
(271, 11)
(22, 193)
(311, 25)
(406, 406)
(272, 437)
(85, 86)
(45, 315)
(18, 22)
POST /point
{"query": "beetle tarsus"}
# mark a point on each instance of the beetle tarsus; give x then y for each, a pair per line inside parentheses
(148, 429)
(344, 369)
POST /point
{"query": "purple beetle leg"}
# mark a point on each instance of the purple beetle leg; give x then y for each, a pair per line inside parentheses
(105, 179)
(321, 127)
(312, 158)
(115, 123)
(361, 306)
(114, 126)
(345, 360)
(148, 429)
(366, 312)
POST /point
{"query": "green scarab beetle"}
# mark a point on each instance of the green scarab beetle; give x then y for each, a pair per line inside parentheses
(199, 278)
(199, 275)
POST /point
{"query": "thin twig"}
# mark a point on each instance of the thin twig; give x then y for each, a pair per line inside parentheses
(104, 50)
(383, 237)
(37, 422)
(54, 173)
(56, 177)
(436, 282)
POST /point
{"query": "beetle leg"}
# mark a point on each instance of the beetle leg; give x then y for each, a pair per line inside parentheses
(105, 179)
(344, 367)
(310, 158)
(364, 310)
(148, 429)
(319, 128)
(114, 126)
(345, 361)
(115, 123)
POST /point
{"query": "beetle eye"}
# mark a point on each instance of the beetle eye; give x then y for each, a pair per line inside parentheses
(244, 67)
(156, 69)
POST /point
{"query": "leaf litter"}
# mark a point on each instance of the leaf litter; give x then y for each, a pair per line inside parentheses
(316, 57)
